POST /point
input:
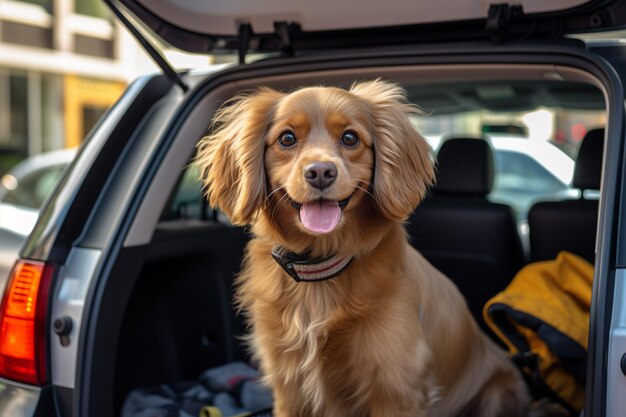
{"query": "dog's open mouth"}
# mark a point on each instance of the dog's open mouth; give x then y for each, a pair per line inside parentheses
(321, 216)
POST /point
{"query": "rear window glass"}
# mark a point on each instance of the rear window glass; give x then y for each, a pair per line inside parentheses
(188, 201)
(534, 150)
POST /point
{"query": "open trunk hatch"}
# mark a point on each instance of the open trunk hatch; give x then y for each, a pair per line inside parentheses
(281, 25)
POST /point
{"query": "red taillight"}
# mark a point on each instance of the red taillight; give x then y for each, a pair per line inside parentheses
(23, 322)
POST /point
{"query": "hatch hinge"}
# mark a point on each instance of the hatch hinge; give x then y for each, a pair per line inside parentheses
(500, 20)
(283, 31)
(280, 40)
(154, 54)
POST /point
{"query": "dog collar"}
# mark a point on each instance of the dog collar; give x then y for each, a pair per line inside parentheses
(301, 268)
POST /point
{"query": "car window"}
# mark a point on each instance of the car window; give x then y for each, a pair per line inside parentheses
(32, 190)
(187, 201)
(517, 171)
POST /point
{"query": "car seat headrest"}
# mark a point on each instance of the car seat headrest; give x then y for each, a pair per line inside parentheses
(464, 166)
(588, 170)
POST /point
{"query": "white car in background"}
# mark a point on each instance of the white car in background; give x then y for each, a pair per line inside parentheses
(26, 186)
(23, 190)
(527, 171)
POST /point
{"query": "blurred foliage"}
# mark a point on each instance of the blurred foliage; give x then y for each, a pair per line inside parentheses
(94, 8)
(8, 158)
(46, 4)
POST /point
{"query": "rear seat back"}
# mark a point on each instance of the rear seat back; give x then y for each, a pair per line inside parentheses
(570, 224)
(470, 239)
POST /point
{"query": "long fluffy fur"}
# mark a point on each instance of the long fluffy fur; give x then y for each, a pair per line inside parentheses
(390, 336)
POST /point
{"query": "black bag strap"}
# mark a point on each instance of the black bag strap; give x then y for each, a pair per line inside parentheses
(528, 364)
(263, 413)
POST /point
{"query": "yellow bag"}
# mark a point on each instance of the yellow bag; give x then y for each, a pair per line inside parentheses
(543, 318)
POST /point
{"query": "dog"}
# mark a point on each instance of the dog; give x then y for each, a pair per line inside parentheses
(346, 317)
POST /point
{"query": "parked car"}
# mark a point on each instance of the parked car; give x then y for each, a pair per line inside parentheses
(26, 186)
(23, 190)
(527, 171)
(131, 272)
(10, 244)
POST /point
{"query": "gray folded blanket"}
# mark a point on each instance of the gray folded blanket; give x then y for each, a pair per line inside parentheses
(232, 388)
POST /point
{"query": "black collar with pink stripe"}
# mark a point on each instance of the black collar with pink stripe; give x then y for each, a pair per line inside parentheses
(301, 268)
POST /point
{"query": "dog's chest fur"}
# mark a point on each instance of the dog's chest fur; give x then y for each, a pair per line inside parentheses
(313, 339)
(305, 333)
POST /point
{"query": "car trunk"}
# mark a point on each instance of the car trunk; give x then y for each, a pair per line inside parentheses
(159, 309)
(165, 313)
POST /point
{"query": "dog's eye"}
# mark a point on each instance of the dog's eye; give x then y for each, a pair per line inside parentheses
(287, 139)
(349, 139)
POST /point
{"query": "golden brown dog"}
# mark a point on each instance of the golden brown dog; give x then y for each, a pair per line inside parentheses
(326, 178)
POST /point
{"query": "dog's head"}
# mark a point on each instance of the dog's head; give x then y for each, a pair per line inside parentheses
(313, 156)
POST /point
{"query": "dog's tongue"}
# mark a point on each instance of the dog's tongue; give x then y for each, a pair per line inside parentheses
(320, 216)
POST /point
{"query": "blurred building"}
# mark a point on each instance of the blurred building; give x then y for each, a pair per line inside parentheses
(62, 64)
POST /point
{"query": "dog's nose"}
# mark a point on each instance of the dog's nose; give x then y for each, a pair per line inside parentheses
(320, 174)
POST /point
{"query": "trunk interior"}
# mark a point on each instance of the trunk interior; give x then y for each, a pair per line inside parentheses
(179, 319)
(169, 313)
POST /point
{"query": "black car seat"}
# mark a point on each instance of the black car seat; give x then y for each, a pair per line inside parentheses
(470, 239)
(570, 224)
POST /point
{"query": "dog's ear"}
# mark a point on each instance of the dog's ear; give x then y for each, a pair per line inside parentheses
(231, 157)
(404, 163)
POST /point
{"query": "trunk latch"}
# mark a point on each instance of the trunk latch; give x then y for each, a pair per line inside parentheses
(63, 327)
